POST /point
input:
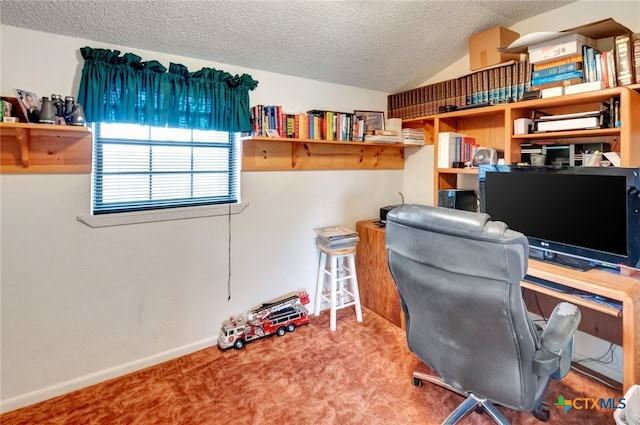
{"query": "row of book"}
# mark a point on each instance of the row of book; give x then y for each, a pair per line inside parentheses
(573, 59)
(505, 83)
(271, 121)
(455, 148)
(558, 63)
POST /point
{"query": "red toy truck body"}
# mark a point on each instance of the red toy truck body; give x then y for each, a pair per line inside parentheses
(275, 317)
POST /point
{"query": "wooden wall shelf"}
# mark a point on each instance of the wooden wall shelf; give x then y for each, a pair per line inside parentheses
(44, 148)
(282, 154)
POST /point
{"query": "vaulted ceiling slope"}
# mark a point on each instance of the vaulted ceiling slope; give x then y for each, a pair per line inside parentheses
(382, 45)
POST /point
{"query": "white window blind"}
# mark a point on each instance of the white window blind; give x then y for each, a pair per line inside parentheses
(142, 168)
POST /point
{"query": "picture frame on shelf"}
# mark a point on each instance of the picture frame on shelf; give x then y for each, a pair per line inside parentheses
(15, 111)
(373, 120)
(30, 105)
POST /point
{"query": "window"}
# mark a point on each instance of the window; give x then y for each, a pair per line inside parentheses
(139, 167)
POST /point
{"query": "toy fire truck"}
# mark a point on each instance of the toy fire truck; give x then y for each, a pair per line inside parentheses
(275, 317)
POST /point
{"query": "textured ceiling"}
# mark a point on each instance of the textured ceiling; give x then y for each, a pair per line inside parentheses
(387, 46)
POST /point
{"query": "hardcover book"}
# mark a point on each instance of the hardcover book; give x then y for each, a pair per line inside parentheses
(557, 77)
(559, 48)
(447, 148)
(624, 60)
(556, 62)
(636, 59)
(555, 70)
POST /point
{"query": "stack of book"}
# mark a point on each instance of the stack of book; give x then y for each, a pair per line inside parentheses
(383, 136)
(412, 136)
(336, 237)
(560, 62)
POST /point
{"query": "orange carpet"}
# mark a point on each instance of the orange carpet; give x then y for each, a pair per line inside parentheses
(359, 374)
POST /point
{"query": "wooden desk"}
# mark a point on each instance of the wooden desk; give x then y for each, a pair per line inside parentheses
(606, 284)
(377, 288)
(622, 327)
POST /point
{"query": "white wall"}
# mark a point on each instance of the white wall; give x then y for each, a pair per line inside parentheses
(80, 305)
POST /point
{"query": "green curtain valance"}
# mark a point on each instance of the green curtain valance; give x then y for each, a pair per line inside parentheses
(115, 88)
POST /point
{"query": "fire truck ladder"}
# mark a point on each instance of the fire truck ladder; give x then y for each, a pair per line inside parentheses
(267, 308)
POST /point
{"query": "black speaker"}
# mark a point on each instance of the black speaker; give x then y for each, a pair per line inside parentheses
(459, 199)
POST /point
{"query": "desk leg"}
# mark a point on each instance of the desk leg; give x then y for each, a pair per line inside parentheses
(630, 344)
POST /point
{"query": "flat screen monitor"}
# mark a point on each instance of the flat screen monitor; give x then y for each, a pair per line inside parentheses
(575, 216)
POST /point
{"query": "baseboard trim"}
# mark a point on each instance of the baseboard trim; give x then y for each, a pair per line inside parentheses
(101, 376)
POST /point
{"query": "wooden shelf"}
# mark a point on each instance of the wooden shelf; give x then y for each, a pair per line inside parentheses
(492, 127)
(458, 170)
(44, 148)
(601, 132)
(282, 154)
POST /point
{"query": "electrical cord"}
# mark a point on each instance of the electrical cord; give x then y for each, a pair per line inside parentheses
(229, 255)
(600, 359)
(602, 381)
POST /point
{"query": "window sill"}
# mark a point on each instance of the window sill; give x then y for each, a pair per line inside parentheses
(121, 219)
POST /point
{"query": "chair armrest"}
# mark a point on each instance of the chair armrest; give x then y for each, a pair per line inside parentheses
(561, 327)
(554, 358)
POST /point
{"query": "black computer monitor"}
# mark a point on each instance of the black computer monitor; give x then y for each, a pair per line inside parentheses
(575, 216)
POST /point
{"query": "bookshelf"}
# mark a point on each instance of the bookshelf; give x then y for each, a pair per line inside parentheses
(492, 127)
(44, 148)
(288, 154)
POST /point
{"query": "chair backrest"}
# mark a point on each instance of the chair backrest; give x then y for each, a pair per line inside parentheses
(458, 275)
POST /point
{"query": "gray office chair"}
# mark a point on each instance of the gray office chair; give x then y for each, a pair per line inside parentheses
(458, 275)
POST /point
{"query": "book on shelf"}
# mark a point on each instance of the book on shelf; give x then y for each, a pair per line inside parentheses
(561, 83)
(636, 59)
(500, 84)
(412, 136)
(584, 87)
(559, 69)
(447, 148)
(374, 138)
(468, 149)
(557, 62)
(312, 125)
(624, 60)
(455, 147)
(557, 77)
(561, 47)
(592, 62)
(609, 68)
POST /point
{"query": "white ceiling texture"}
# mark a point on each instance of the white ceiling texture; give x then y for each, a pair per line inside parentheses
(388, 46)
